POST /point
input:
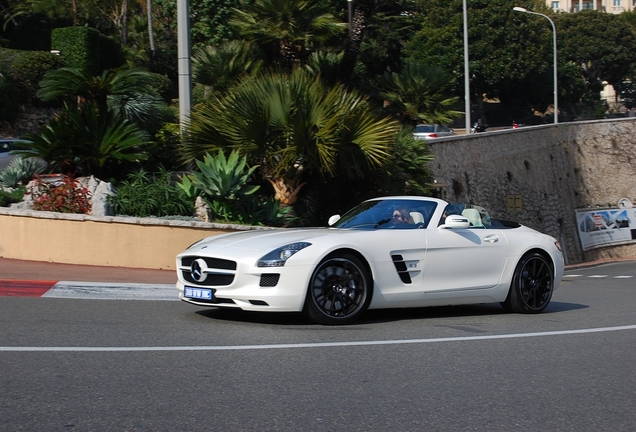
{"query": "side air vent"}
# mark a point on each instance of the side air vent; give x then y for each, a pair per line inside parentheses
(269, 279)
(400, 266)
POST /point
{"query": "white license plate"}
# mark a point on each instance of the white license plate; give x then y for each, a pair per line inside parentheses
(198, 293)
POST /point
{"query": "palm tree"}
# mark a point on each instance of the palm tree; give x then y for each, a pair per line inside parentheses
(419, 93)
(292, 126)
(87, 143)
(291, 25)
(218, 68)
(125, 91)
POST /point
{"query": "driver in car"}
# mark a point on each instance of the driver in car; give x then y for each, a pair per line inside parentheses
(401, 216)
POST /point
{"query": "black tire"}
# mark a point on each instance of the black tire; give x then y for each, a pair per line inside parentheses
(339, 290)
(532, 285)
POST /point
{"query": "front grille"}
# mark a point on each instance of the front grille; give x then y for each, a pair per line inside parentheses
(269, 280)
(217, 271)
(400, 266)
(218, 263)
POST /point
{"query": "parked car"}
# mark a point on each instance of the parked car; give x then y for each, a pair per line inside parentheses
(6, 146)
(430, 131)
(387, 252)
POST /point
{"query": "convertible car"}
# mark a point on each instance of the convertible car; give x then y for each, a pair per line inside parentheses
(390, 252)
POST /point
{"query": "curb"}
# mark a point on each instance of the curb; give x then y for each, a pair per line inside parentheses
(88, 290)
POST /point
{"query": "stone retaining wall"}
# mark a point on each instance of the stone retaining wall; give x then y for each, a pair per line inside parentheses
(554, 168)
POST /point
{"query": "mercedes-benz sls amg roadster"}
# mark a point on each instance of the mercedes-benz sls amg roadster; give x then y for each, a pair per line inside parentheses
(391, 252)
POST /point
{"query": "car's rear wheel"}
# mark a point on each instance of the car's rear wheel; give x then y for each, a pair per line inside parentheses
(339, 290)
(532, 285)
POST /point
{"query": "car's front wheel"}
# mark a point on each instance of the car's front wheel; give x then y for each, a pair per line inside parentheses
(532, 285)
(339, 290)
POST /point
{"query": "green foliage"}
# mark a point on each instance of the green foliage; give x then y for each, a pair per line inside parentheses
(219, 67)
(87, 143)
(223, 184)
(144, 195)
(20, 74)
(64, 195)
(293, 27)
(221, 178)
(602, 43)
(294, 124)
(420, 93)
(29, 68)
(20, 171)
(86, 48)
(14, 196)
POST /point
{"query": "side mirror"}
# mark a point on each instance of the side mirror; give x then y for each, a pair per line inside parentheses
(333, 219)
(455, 221)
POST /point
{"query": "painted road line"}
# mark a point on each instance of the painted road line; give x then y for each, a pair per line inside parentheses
(24, 288)
(317, 344)
(112, 291)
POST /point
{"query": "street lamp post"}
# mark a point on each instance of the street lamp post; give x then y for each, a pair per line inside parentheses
(466, 70)
(184, 65)
(556, 98)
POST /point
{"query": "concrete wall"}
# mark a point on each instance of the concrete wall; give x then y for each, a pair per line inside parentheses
(555, 168)
(105, 241)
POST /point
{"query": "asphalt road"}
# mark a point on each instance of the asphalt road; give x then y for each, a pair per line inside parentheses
(128, 365)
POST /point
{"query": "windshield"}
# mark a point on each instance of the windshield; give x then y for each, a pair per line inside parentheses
(424, 128)
(388, 214)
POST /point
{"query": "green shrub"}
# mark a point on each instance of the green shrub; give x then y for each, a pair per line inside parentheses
(28, 68)
(223, 185)
(20, 171)
(145, 195)
(14, 196)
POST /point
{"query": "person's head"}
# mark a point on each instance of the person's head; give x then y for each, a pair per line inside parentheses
(400, 215)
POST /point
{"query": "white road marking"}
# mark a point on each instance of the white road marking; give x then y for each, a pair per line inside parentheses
(623, 277)
(316, 345)
(572, 276)
(598, 276)
(112, 291)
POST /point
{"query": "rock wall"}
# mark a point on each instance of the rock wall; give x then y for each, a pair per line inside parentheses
(30, 120)
(553, 169)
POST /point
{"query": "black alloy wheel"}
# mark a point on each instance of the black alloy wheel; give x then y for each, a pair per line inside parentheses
(532, 285)
(339, 290)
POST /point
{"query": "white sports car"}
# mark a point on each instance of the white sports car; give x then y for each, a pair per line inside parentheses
(387, 252)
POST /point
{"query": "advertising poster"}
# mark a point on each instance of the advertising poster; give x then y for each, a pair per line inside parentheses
(605, 227)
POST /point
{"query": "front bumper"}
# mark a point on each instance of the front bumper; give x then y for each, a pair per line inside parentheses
(275, 289)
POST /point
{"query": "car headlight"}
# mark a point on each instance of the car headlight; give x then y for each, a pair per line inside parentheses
(278, 257)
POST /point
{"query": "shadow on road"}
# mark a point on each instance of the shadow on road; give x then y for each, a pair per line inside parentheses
(373, 317)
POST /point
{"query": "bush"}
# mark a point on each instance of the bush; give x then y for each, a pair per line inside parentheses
(64, 195)
(144, 195)
(20, 171)
(28, 68)
(14, 196)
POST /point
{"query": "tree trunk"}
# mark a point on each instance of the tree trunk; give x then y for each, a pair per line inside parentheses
(286, 191)
(151, 33)
(362, 15)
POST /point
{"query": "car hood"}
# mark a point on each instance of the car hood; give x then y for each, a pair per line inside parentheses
(261, 240)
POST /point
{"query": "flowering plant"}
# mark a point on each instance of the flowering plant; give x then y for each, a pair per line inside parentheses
(61, 194)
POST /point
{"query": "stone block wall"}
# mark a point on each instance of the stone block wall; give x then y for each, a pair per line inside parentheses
(555, 169)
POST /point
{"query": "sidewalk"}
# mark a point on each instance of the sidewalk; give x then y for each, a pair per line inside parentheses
(34, 270)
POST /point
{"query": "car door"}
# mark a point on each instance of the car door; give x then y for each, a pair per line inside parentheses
(463, 259)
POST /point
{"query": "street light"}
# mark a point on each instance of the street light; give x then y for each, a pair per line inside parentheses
(184, 64)
(466, 70)
(556, 99)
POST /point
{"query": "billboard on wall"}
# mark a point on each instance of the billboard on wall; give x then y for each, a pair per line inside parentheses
(606, 227)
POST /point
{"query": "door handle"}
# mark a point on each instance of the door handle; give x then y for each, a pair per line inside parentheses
(491, 239)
